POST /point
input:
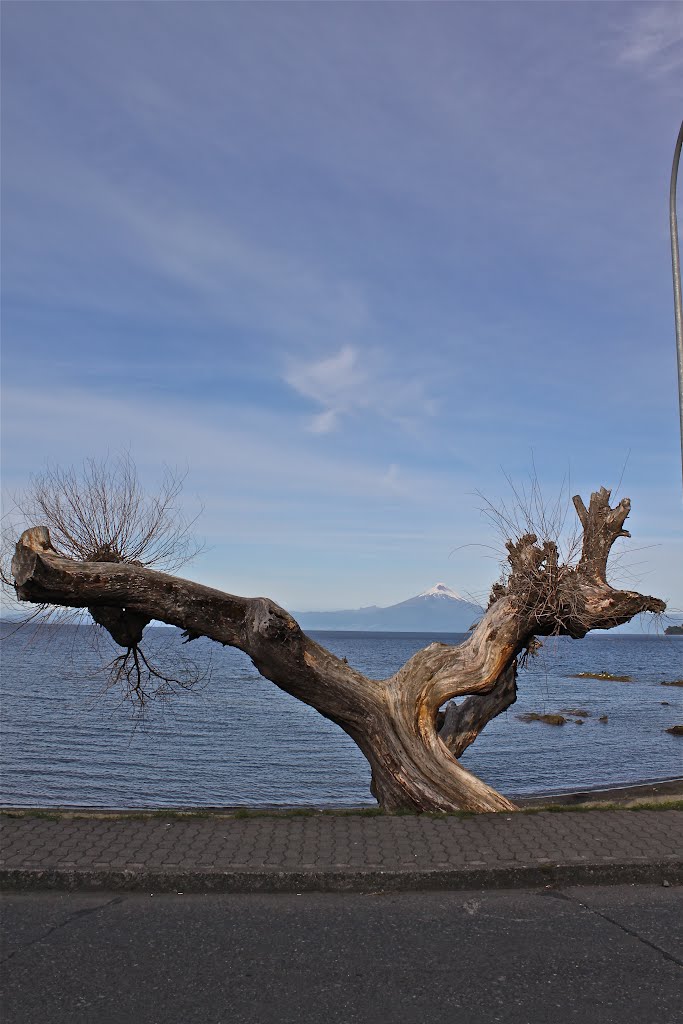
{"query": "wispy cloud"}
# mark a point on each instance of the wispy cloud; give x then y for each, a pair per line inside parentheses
(254, 452)
(269, 499)
(652, 41)
(207, 260)
(338, 383)
(348, 383)
(342, 260)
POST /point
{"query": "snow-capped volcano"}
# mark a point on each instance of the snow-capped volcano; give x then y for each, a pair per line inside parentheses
(441, 590)
(439, 609)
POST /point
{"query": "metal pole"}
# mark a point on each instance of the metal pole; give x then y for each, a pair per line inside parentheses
(676, 271)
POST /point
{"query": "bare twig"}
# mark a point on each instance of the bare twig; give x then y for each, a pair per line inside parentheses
(101, 513)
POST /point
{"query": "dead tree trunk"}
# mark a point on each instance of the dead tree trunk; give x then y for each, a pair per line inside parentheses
(411, 744)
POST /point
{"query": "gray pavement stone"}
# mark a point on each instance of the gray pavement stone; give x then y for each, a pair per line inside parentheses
(326, 852)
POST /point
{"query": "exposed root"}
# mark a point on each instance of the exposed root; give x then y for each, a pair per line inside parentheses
(141, 681)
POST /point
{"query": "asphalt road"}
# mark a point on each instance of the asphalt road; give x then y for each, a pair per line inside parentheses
(588, 955)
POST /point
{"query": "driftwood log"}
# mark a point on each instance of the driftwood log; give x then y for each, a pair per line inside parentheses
(409, 727)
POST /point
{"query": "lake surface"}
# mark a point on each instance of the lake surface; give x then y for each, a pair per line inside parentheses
(238, 740)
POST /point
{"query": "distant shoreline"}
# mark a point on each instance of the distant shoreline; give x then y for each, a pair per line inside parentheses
(601, 634)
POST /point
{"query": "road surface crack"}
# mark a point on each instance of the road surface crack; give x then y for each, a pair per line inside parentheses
(57, 927)
(556, 894)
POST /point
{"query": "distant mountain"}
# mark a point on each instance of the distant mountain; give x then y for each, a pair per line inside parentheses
(438, 610)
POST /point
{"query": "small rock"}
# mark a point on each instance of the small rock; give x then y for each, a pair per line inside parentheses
(533, 716)
(667, 885)
(602, 675)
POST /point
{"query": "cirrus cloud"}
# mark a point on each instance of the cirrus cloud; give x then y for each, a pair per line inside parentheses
(348, 383)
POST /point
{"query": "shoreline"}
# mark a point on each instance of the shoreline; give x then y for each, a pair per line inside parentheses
(650, 792)
(663, 790)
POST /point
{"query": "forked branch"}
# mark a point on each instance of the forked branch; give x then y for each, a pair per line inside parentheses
(411, 743)
(602, 526)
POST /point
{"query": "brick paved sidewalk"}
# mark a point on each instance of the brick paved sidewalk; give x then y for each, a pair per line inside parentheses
(340, 852)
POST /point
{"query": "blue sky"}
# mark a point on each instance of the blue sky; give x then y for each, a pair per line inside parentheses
(350, 264)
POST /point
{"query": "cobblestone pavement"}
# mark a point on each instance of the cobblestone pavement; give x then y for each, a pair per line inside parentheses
(352, 852)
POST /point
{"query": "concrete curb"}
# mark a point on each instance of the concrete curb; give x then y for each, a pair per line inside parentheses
(360, 880)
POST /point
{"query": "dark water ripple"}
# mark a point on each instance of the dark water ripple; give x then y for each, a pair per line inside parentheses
(240, 740)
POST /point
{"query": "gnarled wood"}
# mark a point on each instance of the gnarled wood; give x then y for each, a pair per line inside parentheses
(462, 723)
(602, 525)
(411, 745)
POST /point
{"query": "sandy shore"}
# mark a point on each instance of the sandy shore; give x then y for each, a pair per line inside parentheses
(653, 792)
(650, 792)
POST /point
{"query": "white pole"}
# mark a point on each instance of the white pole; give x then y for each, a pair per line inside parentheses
(676, 270)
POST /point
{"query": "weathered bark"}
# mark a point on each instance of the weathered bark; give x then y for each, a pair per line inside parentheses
(462, 723)
(411, 745)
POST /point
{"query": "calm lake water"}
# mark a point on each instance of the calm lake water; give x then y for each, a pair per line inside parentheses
(238, 740)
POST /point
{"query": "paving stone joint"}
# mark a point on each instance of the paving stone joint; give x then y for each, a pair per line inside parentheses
(325, 852)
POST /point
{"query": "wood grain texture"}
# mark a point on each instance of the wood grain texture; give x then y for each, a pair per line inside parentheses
(411, 742)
